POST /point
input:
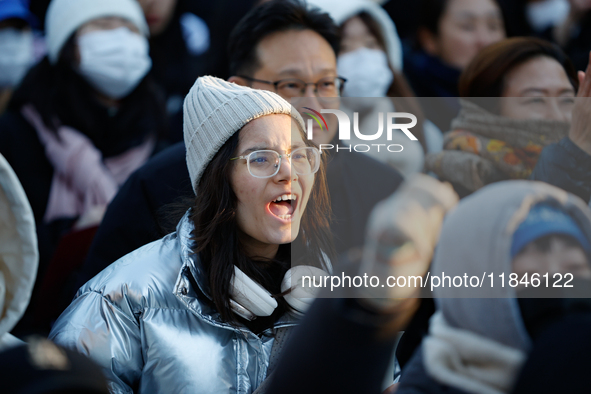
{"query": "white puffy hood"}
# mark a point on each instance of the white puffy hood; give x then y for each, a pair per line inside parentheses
(18, 251)
(341, 10)
(476, 238)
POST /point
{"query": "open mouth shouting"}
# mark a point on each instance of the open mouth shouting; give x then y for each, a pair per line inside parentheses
(284, 206)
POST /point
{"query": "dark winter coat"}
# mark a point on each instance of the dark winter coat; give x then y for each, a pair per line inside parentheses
(567, 166)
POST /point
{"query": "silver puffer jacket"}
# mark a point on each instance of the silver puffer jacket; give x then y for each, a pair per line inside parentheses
(144, 321)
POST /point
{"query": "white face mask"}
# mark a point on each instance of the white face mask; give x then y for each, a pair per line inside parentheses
(114, 61)
(366, 71)
(16, 56)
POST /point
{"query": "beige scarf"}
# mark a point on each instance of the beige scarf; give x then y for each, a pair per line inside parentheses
(467, 361)
(484, 148)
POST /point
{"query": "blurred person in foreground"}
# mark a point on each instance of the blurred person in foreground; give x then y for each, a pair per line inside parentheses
(19, 257)
(346, 340)
(39, 366)
(42, 367)
(479, 338)
(518, 99)
(525, 229)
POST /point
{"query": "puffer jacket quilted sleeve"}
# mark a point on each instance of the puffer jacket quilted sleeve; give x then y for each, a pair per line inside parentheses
(112, 313)
(93, 323)
(566, 166)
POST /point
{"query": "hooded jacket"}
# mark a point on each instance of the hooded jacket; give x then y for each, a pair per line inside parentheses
(147, 322)
(18, 253)
(411, 159)
(340, 11)
(476, 238)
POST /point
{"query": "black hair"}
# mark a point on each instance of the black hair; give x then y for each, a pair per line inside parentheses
(271, 17)
(430, 15)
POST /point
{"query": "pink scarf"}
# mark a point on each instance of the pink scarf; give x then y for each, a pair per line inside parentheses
(82, 180)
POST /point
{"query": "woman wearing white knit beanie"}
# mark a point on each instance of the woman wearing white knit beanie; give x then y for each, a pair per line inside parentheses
(206, 309)
(79, 124)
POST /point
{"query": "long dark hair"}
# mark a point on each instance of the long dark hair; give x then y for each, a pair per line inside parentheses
(217, 236)
(61, 96)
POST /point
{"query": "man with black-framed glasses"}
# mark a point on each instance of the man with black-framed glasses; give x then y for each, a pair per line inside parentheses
(292, 54)
(294, 87)
(280, 46)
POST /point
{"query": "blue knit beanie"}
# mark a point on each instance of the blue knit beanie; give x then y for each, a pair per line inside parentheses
(544, 220)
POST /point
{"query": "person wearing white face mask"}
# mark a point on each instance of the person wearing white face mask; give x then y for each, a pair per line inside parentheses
(371, 61)
(82, 120)
(113, 61)
(368, 72)
(16, 46)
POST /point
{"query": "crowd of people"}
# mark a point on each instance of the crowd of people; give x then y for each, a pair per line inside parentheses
(172, 170)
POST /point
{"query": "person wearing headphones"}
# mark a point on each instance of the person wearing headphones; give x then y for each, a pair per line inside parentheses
(199, 310)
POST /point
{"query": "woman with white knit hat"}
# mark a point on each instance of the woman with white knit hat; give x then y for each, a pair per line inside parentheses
(84, 118)
(200, 310)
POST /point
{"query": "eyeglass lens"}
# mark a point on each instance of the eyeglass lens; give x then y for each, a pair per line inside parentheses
(265, 163)
(326, 87)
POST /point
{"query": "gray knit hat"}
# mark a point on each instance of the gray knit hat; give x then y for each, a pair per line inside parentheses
(215, 109)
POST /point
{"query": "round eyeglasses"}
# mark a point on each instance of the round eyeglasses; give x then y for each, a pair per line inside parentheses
(266, 163)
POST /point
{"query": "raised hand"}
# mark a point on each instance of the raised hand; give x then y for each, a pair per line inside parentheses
(402, 233)
(580, 130)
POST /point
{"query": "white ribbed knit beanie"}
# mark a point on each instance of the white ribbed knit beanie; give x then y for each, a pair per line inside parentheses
(215, 109)
(64, 17)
